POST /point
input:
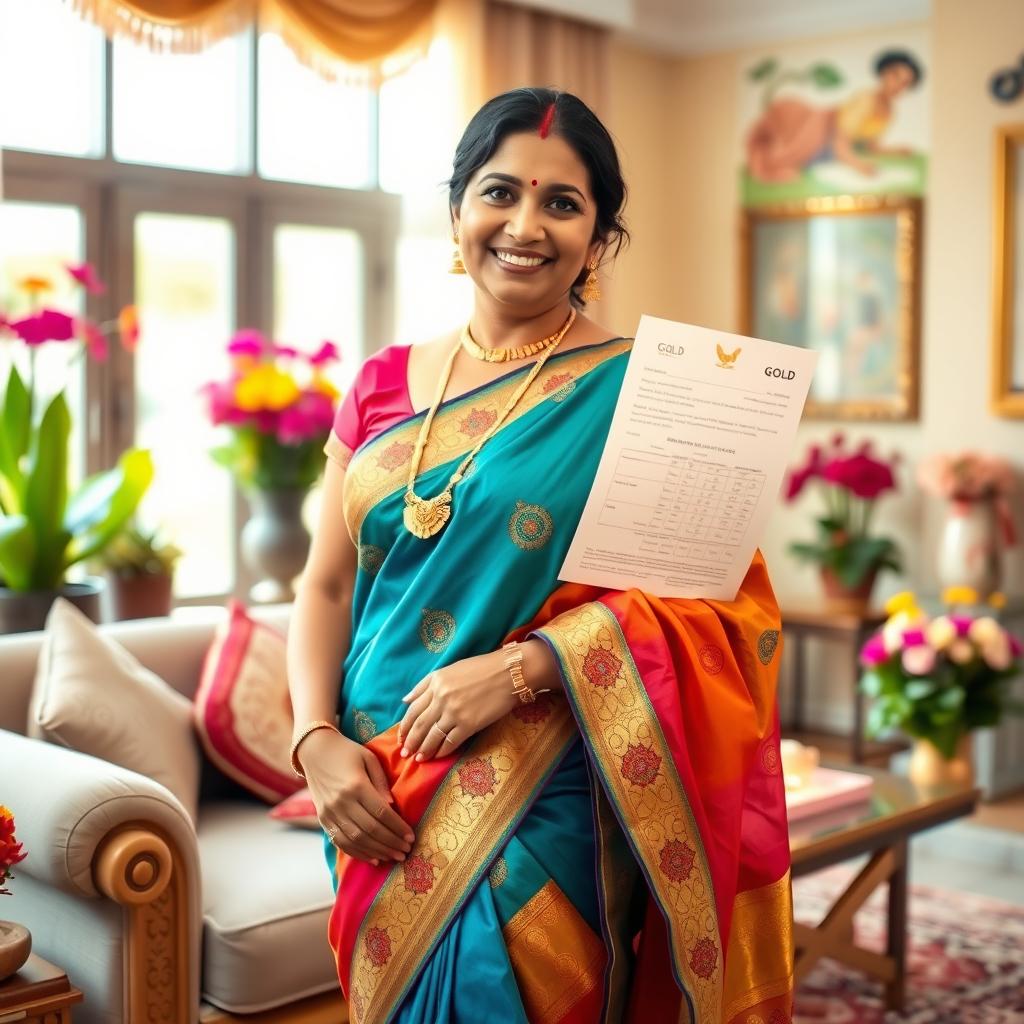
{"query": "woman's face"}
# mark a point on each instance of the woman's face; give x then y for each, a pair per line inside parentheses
(896, 78)
(526, 222)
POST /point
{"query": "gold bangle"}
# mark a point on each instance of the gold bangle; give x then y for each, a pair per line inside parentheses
(514, 664)
(312, 727)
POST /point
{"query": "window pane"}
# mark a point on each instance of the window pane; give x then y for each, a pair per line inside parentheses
(44, 47)
(184, 279)
(318, 291)
(38, 240)
(183, 110)
(311, 130)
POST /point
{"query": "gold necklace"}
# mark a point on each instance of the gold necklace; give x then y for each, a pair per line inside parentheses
(424, 517)
(504, 355)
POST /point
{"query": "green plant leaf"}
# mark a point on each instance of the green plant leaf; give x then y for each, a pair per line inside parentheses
(113, 503)
(826, 76)
(14, 434)
(17, 551)
(871, 684)
(765, 69)
(918, 689)
(46, 491)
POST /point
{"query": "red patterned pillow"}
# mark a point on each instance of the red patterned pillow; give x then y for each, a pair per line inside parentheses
(298, 809)
(242, 709)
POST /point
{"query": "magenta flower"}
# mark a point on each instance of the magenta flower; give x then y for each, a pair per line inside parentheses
(44, 325)
(95, 340)
(798, 478)
(85, 274)
(310, 417)
(326, 353)
(962, 624)
(285, 350)
(862, 475)
(248, 342)
(913, 637)
(873, 653)
(1015, 646)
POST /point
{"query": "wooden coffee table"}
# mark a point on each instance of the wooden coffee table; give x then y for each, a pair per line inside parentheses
(38, 993)
(880, 826)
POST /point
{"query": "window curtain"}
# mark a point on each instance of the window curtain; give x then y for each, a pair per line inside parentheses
(524, 46)
(328, 35)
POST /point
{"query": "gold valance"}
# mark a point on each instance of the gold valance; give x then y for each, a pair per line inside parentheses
(325, 34)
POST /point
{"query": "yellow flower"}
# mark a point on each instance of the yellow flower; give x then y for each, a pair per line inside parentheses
(984, 631)
(35, 284)
(901, 602)
(959, 595)
(997, 599)
(265, 388)
(325, 387)
(6, 812)
(940, 632)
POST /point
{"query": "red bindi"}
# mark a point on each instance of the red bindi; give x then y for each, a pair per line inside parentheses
(534, 183)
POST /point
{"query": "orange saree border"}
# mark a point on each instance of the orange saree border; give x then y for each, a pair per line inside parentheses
(382, 466)
(475, 809)
(641, 779)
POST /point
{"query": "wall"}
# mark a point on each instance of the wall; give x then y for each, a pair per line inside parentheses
(680, 147)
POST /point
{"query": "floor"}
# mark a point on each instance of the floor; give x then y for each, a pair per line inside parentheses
(983, 854)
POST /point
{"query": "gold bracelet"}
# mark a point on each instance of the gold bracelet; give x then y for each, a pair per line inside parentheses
(312, 727)
(514, 664)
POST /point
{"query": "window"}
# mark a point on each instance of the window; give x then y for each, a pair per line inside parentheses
(231, 188)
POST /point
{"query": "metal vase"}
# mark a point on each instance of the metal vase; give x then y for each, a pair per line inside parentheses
(275, 542)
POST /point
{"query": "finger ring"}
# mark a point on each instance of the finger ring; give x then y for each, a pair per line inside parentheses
(380, 813)
(440, 730)
(332, 832)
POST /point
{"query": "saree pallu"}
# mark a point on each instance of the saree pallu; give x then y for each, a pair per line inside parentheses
(616, 853)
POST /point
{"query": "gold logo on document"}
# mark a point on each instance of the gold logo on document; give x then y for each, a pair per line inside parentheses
(726, 360)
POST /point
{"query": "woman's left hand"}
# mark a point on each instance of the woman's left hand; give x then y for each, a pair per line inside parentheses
(454, 703)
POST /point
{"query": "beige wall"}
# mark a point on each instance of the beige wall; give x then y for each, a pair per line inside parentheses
(675, 120)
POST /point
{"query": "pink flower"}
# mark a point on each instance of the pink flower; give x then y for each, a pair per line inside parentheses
(913, 637)
(220, 396)
(798, 478)
(310, 417)
(326, 353)
(95, 340)
(1015, 646)
(85, 274)
(862, 475)
(288, 351)
(965, 476)
(919, 660)
(248, 342)
(873, 653)
(44, 325)
(962, 624)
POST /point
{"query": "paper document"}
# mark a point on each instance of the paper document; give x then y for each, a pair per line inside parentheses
(700, 439)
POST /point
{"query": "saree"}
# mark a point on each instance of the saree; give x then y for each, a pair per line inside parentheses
(616, 852)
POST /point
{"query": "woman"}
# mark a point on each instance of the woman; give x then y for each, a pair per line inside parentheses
(546, 802)
(791, 134)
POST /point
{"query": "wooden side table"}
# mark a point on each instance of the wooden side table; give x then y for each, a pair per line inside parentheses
(38, 994)
(849, 628)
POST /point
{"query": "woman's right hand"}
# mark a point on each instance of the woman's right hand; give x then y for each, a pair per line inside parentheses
(352, 797)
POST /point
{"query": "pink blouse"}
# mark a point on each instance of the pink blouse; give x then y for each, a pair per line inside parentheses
(378, 398)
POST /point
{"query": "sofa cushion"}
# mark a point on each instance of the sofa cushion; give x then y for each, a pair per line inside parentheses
(297, 809)
(267, 896)
(243, 711)
(91, 695)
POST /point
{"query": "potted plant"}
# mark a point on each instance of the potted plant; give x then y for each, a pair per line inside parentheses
(15, 940)
(848, 555)
(44, 530)
(978, 517)
(278, 407)
(139, 565)
(938, 679)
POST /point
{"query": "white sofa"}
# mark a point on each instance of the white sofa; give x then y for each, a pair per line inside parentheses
(152, 919)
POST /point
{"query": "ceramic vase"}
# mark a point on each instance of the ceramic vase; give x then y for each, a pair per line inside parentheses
(850, 600)
(928, 767)
(969, 547)
(15, 946)
(275, 542)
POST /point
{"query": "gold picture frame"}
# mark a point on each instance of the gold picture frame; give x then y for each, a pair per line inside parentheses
(842, 275)
(1008, 265)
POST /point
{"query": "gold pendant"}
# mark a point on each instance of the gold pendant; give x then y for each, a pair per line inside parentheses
(424, 518)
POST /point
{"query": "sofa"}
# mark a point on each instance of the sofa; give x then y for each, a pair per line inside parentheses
(153, 918)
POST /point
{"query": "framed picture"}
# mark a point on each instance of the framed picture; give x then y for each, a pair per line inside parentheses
(841, 275)
(1008, 301)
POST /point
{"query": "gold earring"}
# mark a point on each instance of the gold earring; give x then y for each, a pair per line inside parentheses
(457, 267)
(591, 289)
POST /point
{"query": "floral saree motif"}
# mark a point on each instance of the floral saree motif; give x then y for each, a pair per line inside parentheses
(616, 853)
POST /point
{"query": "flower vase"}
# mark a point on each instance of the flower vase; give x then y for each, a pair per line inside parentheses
(969, 547)
(15, 946)
(275, 542)
(842, 598)
(928, 767)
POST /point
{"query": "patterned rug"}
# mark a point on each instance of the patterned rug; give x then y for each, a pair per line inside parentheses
(965, 958)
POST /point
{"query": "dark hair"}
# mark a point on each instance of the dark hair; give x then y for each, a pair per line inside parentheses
(524, 110)
(892, 57)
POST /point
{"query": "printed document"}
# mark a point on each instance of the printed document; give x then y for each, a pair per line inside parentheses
(700, 439)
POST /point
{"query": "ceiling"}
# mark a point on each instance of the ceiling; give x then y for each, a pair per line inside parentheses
(709, 26)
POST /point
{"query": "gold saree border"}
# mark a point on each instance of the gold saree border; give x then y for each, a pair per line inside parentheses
(555, 955)
(337, 450)
(759, 917)
(474, 810)
(639, 774)
(381, 467)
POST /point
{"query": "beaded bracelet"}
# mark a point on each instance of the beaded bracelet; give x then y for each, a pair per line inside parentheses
(312, 727)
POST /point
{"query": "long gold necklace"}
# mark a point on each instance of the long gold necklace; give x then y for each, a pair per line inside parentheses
(504, 355)
(423, 517)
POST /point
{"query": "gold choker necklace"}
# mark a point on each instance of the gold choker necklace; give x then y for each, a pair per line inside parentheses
(423, 517)
(503, 355)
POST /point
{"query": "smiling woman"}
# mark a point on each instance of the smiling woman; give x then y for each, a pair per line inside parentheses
(607, 761)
